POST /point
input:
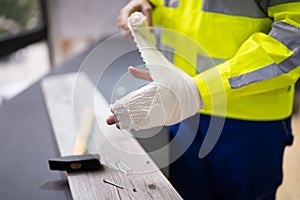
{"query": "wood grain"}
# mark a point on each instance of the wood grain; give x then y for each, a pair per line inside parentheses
(125, 161)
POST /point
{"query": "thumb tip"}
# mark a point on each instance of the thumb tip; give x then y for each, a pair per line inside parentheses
(131, 69)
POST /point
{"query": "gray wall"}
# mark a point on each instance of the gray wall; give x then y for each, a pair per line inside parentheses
(74, 24)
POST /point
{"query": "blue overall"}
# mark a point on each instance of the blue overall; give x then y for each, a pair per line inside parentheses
(245, 163)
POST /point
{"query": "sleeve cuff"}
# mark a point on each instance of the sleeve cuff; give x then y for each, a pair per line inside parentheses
(213, 86)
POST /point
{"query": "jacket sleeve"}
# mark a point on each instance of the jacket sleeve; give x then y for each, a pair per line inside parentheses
(263, 63)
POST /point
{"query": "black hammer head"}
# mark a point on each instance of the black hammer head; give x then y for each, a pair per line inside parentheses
(88, 162)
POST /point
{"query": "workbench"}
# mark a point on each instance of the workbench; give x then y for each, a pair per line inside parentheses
(27, 139)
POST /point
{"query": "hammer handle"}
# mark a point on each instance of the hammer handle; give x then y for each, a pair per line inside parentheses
(84, 130)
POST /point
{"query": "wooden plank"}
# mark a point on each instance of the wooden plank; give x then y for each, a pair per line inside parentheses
(125, 162)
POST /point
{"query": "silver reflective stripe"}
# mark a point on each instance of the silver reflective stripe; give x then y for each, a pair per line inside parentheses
(291, 62)
(205, 63)
(288, 34)
(171, 3)
(247, 8)
(276, 2)
(255, 76)
(267, 72)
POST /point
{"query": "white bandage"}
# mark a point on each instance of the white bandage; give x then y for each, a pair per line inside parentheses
(171, 97)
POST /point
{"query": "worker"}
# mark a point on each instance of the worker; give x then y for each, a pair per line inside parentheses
(255, 46)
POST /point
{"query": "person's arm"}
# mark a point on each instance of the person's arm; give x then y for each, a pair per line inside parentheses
(146, 8)
(263, 63)
(170, 98)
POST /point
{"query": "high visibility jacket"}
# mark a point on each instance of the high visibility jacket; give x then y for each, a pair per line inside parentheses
(255, 46)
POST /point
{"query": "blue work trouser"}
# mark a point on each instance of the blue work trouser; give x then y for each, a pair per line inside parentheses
(245, 163)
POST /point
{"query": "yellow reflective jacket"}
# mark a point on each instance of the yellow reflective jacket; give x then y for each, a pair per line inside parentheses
(255, 46)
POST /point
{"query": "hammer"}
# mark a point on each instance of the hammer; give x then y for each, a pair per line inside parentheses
(79, 161)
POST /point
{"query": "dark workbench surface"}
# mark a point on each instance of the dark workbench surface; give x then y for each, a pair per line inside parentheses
(27, 140)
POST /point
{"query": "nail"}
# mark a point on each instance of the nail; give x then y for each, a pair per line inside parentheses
(108, 182)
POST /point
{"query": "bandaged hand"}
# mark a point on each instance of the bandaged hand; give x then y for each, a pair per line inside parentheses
(157, 104)
(172, 96)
